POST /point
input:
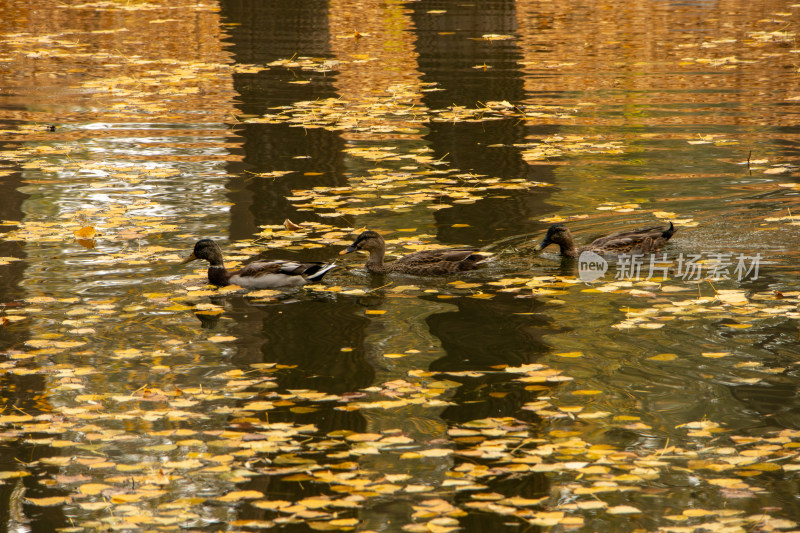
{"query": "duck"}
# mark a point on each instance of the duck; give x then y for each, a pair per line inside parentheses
(440, 261)
(640, 241)
(258, 274)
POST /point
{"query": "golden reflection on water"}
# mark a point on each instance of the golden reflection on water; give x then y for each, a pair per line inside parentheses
(630, 109)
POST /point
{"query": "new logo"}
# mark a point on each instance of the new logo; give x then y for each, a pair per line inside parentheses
(591, 266)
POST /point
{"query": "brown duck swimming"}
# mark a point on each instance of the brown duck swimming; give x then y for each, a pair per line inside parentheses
(259, 274)
(425, 263)
(640, 241)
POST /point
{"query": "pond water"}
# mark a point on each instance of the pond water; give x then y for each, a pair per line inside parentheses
(516, 397)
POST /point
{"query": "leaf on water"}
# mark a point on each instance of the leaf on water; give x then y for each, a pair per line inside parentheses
(264, 293)
(239, 495)
(570, 354)
(271, 505)
(587, 392)
(763, 467)
(546, 518)
(86, 232)
(623, 509)
(436, 452)
(127, 353)
(344, 522)
(729, 483)
(414, 489)
(92, 489)
(364, 437)
(663, 357)
(733, 297)
(94, 506)
(291, 226)
(46, 502)
(221, 338)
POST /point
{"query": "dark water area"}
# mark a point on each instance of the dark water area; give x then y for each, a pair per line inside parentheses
(517, 397)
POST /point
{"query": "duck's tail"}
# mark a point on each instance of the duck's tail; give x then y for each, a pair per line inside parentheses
(484, 257)
(668, 232)
(323, 269)
(473, 261)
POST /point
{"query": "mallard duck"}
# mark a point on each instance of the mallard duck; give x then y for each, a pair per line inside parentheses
(259, 274)
(639, 241)
(424, 263)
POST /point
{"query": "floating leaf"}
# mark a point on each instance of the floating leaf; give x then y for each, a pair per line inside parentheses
(47, 502)
(570, 354)
(86, 232)
(291, 226)
(92, 489)
(239, 495)
(623, 509)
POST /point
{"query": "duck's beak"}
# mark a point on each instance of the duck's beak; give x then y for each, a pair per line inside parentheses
(542, 245)
(347, 250)
(189, 259)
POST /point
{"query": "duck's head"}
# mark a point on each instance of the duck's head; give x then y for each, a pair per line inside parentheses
(205, 249)
(556, 234)
(368, 240)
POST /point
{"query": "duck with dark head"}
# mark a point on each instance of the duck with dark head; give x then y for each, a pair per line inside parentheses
(259, 274)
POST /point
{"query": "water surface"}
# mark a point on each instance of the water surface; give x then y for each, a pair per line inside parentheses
(513, 397)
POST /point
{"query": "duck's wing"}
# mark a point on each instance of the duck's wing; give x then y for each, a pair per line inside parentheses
(438, 262)
(625, 240)
(278, 273)
(427, 257)
(644, 247)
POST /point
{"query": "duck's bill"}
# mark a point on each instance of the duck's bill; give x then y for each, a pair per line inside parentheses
(189, 259)
(542, 245)
(347, 250)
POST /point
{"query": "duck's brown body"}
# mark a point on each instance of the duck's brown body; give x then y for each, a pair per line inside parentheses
(425, 263)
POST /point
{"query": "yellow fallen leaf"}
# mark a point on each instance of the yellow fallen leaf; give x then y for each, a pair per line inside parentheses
(729, 483)
(45, 502)
(697, 512)
(663, 357)
(364, 437)
(239, 495)
(570, 354)
(271, 505)
(763, 467)
(94, 506)
(13, 474)
(221, 338)
(344, 522)
(92, 489)
(86, 232)
(623, 509)
(291, 226)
